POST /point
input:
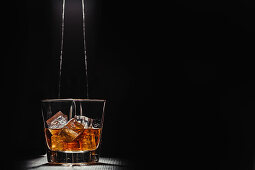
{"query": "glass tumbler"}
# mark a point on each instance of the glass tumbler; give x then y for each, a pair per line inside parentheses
(73, 130)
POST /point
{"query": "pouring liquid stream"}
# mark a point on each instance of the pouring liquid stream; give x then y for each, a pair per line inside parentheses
(62, 44)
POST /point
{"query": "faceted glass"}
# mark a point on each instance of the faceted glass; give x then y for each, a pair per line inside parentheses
(73, 129)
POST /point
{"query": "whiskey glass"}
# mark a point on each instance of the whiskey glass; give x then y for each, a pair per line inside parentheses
(73, 130)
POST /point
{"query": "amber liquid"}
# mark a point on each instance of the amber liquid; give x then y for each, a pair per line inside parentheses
(88, 140)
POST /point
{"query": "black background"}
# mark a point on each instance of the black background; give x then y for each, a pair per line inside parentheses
(178, 77)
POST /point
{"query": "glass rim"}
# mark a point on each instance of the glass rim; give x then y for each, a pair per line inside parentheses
(70, 99)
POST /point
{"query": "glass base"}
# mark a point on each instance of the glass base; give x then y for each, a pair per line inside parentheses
(72, 157)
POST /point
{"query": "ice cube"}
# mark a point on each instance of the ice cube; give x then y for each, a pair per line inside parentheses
(85, 121)
(71, 130)
(57, 121)
(96, 123)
